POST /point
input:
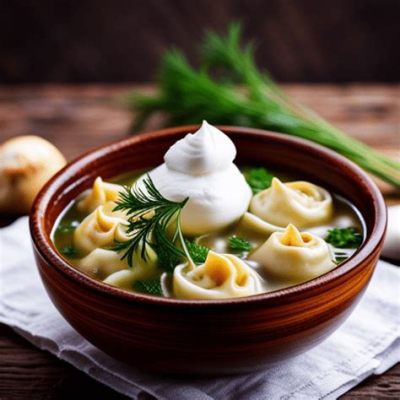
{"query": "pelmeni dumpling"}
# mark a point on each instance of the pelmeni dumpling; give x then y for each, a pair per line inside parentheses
(200, 166)
(108, 265)
(100, 194)
(126, 278)
(300, 203)
(294, 256)
(100, 263)
(252, 227)
(141, 270)
(221, 276)
(99, 229)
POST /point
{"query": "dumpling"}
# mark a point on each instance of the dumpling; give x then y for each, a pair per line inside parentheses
(300, 203)
(253, 227)
(100, 194)
(99, 229)
(126, 278)
(294, 256)
(107, 265)
(221, 276)
(141, 270)
(100, 263)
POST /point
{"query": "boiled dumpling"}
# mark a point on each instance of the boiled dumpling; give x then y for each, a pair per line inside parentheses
(102, 262)
(101, 228)
(221, 276)
(252, 227)
(100, 194)
(141, 270)
(126, 278)
(300, 203)
(294, 256)
(108, 265)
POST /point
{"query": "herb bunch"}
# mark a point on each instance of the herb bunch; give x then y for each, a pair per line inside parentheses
(149, 217)
(188, 95)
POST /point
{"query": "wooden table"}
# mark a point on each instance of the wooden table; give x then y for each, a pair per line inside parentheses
(77, 118)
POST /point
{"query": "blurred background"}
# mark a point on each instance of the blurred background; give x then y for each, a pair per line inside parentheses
(122, 40)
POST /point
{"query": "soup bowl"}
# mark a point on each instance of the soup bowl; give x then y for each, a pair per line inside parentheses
(208, 336)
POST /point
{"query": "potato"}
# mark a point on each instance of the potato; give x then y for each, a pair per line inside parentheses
(26, 164)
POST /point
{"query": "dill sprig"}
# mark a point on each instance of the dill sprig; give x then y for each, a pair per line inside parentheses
(239, 244)
(188, 95)
(197, 252)
(150, 215)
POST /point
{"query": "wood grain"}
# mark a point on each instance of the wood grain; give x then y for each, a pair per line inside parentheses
(77, 118)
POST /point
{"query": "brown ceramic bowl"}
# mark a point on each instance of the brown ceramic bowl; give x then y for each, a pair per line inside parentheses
(208, 337)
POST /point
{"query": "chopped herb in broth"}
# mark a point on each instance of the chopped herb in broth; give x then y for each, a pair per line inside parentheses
(344, 237)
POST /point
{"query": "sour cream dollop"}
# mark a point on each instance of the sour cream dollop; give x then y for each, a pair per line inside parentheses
(200, 166)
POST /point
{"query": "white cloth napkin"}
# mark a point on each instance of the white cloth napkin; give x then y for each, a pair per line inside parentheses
(368, 343)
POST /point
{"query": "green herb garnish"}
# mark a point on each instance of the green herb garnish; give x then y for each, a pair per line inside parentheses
(167, 260)
(149, 217)
(197, 252)
(258, 179)
(238, 244)
(187, 95)
(151, 286)
(67, 227)
(69, 251)
(343, 238)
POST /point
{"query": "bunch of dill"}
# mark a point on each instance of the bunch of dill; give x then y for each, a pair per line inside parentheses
(228, 88)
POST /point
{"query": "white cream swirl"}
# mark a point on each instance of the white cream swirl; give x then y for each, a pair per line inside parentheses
(204, 152)
(200, 166)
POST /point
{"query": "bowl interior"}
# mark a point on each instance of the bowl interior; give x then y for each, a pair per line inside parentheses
(255, 147)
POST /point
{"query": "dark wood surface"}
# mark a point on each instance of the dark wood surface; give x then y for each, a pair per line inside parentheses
(77, 118)
(114, 41)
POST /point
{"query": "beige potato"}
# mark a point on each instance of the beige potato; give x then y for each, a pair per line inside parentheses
(26, 164)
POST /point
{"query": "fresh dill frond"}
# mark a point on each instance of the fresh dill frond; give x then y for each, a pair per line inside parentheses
(168, 258)
(239, 244)
(197, 252)
(258, 179)
(343, 238)
(150, 215)
(187, 95)
(151, 286)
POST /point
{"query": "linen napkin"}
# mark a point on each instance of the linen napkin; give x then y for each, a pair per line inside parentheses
(367, 343)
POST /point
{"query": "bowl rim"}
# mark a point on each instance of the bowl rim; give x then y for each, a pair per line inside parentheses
(45, 247)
